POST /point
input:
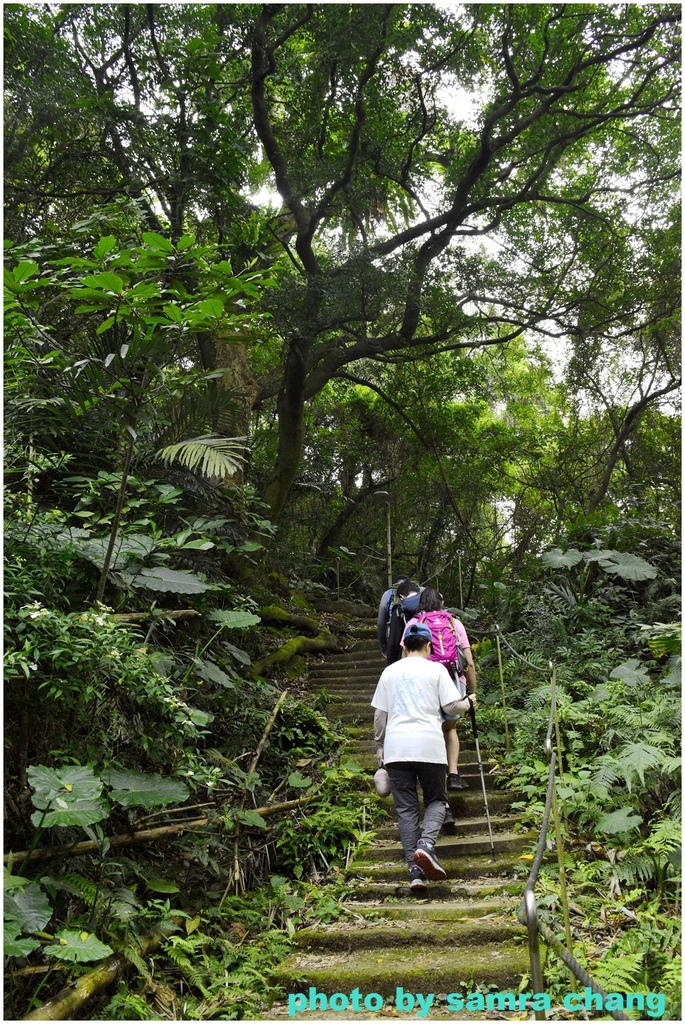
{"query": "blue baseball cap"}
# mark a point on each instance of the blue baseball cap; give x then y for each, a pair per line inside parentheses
(417, 629)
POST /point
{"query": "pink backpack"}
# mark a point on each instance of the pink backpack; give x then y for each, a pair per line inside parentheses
(446, 647)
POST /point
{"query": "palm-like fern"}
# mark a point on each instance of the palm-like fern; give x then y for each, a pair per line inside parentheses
(209, 455)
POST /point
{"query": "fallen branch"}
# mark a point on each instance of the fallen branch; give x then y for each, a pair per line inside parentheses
(127, 839)
(325, 641)
(155, 613)
(69, 1002)
(146, 836)
(274, 613)
(265, 735)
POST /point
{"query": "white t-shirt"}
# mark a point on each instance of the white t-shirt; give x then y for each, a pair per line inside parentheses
(412, 691)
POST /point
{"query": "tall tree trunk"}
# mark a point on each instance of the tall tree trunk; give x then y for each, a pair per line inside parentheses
(291, 419)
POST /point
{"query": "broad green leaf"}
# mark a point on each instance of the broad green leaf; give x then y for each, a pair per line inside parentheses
(29, 908)
(233, 619)
(557, 559)
(13, 945)
(631, 672)
(104, 246)
(105, 326)
(296, 780)
(627, 566)
(240, 656)
(71, 795)
(174, 312)
(249, 818)
(174, 581)
(107, 281)
(211, 673)
(200, 718)
(158, 242)
(24, 270)
(78, 947)
(211, 307)
(624, 820)
(250, 545)
(134, 546)
(158, 884)
(143, 789)
(13, 882)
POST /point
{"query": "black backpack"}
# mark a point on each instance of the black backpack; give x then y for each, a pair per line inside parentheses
(403, 606)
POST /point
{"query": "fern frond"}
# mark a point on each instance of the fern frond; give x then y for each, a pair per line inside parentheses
(635, 868)
(214, 410)
(636, 758)
(134, 957)
(77, 883)
(620, 973)
(209, 455)
(665, 836)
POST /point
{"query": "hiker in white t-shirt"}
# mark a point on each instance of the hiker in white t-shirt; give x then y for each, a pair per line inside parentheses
(409, 702)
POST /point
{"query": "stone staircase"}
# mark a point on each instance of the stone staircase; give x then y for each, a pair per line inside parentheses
(391, 951)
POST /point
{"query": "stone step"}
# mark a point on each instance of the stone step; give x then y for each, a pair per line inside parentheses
(361, 654)
(397, 891)
(462, 826)
(478, 865)
(468, 762)
(455, 846)
(453, 910)
(467, 769)
(466, 803)
(385, 970)
(368, 746)
(419, 934)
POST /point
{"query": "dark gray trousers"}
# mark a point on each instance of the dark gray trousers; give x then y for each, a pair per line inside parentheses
(404, 776)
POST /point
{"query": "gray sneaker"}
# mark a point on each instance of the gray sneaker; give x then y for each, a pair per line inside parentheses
(417, 879)
(426, 859)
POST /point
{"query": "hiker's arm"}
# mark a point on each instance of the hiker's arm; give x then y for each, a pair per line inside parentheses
(382, 624)
(459, 707)
(470, 671)
(380, 720)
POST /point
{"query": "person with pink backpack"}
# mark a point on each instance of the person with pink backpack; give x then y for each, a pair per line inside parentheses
(450, 646)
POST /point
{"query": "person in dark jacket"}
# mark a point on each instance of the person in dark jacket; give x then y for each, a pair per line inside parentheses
(389, 632)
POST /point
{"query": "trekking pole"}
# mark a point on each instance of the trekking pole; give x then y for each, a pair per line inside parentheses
(472, 713)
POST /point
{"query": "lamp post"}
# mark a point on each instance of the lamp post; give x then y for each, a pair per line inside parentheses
(385, 496)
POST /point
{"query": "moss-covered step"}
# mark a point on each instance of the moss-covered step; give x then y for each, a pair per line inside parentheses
(402, 933)
(467, 768)
(423, 970)
(474, 825)
(475, 866)
(396, 891)
(357, 656)
(505, 906)
(468, 803)
(455, 847)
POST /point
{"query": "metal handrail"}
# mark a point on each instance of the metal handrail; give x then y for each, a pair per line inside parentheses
(528, 915)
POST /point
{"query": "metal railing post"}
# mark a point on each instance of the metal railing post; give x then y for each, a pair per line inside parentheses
(563, 893)
(527, 914)
(534, 948)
